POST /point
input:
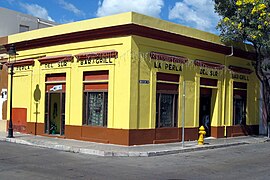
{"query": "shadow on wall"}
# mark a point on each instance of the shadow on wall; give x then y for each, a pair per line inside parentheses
(37, 96)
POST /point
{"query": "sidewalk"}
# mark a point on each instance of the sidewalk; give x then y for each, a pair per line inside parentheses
(99, 149)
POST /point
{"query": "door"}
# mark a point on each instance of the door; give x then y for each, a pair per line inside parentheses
(205, 109)
(55, 113)
(239, 109)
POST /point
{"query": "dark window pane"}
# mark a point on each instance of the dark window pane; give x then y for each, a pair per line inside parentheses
(63, 102)
(239, 109)
(166, 110)
(240, 85)
(63, 125)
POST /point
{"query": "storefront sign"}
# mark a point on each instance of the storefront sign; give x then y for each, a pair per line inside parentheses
(168, 66)
(240, 77)
(168, 62)
(56, 88)
(22, 68)
(96, 61)
(99, 57)
(54, 65)
(208, 72)
(24, 65)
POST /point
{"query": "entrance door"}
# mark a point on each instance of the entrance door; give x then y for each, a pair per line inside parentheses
(55, 113)
(239, 108)
(205, 109)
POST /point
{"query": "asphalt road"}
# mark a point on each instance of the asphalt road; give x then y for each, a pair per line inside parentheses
(241, 162)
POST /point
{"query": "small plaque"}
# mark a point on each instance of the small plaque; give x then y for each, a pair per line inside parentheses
(144, 81)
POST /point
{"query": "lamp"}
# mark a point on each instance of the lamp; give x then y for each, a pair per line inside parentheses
(12, 55)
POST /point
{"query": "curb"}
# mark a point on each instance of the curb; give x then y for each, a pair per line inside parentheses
(122, 154)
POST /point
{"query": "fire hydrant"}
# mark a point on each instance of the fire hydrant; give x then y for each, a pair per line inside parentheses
(202, 132)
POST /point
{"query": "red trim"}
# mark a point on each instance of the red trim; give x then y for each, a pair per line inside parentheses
(128, 30)
(167, 57)
(95, 75)
(167, 87)
(96, 86)
(168, 77)
(55, 77)
(54, 59)
(240, 70)
(97, 55)
(208, 64)
(28, 62)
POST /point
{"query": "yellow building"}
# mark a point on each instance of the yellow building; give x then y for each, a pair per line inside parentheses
(131, 79)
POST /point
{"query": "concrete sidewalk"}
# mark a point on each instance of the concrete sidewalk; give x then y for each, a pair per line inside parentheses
(99, 149)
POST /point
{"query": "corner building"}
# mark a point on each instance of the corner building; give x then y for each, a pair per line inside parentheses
(131, 79)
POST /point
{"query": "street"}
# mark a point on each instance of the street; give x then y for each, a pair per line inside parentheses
(239, 162)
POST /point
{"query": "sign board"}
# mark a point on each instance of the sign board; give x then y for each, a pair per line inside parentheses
(144, 81)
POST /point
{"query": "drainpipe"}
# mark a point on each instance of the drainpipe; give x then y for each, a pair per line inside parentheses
(225, 76)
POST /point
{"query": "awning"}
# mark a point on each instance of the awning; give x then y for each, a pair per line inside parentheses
(240, 70)
(208, 64)
(167, 57)
(97, 55)
(54, 59)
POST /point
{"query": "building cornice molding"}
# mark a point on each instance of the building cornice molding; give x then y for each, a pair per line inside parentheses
(129, 30)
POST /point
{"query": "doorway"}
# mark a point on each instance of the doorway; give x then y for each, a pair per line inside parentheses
(205, 110)
(55, 113)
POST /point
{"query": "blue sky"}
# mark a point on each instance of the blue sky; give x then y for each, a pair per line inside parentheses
(198, 14)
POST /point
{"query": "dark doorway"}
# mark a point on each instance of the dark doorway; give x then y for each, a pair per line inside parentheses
(55, 113)
(205, 109)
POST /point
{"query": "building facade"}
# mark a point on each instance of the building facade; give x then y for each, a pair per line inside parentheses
(131, 79)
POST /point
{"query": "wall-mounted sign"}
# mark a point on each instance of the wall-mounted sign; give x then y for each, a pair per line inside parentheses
(168, 58)
(24, 65)
(208, 72)
(96, 61)
(244, 73)
(60, 61)
(99, 57)
(56, 88)
(144, 81)
(168, 62)
(22, 68)
(54, 65)
(168, 66)
(240, 77)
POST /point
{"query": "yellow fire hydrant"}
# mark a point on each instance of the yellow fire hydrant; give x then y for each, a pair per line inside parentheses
(202, 132)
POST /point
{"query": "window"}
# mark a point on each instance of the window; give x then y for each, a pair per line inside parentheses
(239, 103)
(167, 100)
(95, 105)
(23, 28)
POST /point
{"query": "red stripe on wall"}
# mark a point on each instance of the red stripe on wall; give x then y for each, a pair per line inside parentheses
(56, 77)
(96, 75)
(168, 77)
(96, 86)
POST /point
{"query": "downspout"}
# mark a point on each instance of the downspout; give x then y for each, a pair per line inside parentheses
(225, 98)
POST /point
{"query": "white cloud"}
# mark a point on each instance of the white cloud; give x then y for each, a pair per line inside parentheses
(36, 10)
(195, 13)
(147, 7)
(70, 7)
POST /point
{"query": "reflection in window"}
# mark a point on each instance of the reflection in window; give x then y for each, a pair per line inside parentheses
(23, 28)
(239, 103)
(96, 104)
(166, 110)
